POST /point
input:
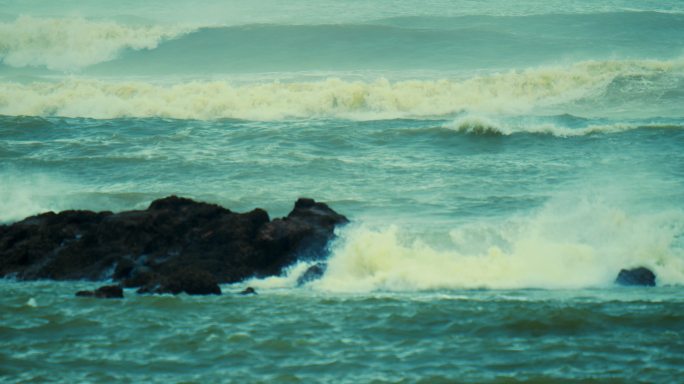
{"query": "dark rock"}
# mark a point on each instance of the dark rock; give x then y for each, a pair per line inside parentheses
(105, 292)
(192, 282)
(248, 291)
(636, 276)
(153, 248)
(305, 232)
(139, 277)
(124, 268)
(312, 273)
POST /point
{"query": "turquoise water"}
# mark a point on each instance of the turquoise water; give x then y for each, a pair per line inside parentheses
(500, 162)
(444, 336)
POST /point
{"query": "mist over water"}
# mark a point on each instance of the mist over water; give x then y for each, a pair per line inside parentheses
(500, 163)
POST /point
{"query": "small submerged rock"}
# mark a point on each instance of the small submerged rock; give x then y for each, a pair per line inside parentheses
(106, 292)
(192, 282)
(312, 273)
(248, 291)
(636, 276)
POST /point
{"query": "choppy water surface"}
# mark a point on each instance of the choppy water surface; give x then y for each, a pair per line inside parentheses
(500, 163)
(442, 336)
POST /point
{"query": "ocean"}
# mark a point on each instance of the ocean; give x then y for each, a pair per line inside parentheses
(499, 161)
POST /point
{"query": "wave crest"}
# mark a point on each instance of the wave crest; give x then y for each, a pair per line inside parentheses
(68, 44)
(513, 92)
(480, 126)
(488, 126)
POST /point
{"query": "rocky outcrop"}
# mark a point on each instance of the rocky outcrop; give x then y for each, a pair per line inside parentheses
(636, 276)
(106, 292)
(175, 245)
(309, 228)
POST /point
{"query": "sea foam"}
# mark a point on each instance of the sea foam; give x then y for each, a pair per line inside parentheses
(570, 243)
(511, 92)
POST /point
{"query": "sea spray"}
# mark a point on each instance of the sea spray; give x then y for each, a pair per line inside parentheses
(25, 195)
(568, 244)
(288, 278)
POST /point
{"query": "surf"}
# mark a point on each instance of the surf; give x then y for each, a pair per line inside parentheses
(577, 89)
(549, 248)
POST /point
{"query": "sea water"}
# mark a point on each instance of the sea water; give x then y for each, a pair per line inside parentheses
(500, 163)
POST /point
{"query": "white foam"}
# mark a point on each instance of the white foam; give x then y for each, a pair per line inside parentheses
(68, 44)
(288, 279)
(513, 92)
(571, 243)
(499, 126)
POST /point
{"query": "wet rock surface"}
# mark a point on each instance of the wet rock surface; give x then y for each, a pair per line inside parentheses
(105, 292)
(636, 276)
(175, 245)
(312, 273)
(192, 282)
(248, 291)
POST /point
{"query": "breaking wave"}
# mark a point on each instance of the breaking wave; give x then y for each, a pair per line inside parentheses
(512, 92)
(487, 126)
(567, 245)
(68, 44)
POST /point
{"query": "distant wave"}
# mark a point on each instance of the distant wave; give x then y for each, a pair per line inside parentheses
(460, 43)
(582, 23)
(511, 92)
(68, 44)
(136, 47)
